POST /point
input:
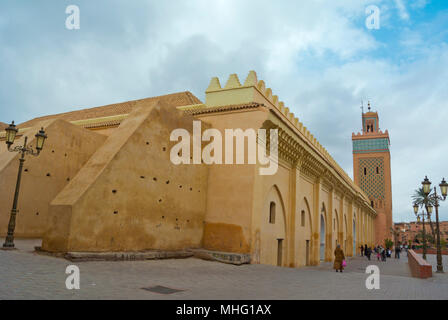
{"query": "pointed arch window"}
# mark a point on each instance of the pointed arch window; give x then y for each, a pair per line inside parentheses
(302, 218)
(272, 212)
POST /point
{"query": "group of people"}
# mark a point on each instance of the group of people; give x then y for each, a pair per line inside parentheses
(380, 252)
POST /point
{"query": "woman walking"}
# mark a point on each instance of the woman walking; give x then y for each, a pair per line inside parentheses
(339, 257)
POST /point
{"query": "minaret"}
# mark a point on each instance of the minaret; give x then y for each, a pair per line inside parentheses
(371, 171)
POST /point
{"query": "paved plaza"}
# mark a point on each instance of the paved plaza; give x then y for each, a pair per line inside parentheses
(27, 275)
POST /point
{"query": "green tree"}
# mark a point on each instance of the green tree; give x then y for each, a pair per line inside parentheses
(422, 201)
(388, 243)
(419, 238)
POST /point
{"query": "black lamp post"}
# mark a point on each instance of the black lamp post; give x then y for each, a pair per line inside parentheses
(11, 133)
(434, 198)
(422, 214)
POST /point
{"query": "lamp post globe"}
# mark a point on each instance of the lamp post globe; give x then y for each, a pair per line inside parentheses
(11, 133)
(40, 139)
(426, 185)
(443, 188)
(415, 208)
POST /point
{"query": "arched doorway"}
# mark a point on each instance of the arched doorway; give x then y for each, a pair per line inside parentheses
(345, 233)
(304, 235)
(322, 238)
(354, 238)
(336, 229)
(273, 229)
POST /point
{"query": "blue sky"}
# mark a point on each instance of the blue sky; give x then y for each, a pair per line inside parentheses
(317, 56)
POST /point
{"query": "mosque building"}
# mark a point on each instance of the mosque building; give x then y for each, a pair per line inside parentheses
(105, 182)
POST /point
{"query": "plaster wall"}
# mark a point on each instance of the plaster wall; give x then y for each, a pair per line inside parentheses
(130, 196)
(66, 150)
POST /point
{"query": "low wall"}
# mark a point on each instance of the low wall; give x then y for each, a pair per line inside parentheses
(431, 251)
(419, 267)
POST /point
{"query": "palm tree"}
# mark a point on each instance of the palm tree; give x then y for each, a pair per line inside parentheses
(423, 200)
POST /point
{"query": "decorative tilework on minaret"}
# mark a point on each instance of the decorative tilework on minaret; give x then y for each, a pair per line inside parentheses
(372, 171)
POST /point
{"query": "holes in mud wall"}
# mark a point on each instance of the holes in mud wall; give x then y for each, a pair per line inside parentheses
(164, 148)
(37, 213)
(180, 186)
(52, 151)
(142, 177)
(167, 181)
(155, 179)
(147, 143)
(26, 170)
(114, 191)
(48, 175)
(68, 179)
(163, 217)
(65, 154)
(116, 212)
(160, 200)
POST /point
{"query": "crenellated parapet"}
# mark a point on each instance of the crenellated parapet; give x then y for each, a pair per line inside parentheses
(255, 90)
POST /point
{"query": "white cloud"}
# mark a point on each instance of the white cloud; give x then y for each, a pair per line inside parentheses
(402, 11)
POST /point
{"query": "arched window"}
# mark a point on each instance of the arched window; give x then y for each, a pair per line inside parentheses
(365, 171)
(303, 218)
(272, 212)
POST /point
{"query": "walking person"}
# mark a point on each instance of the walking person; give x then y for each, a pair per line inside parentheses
(365, 249)
(362, 250)
(397, 252)
(383, 254)
(368, 252)
(339, 257)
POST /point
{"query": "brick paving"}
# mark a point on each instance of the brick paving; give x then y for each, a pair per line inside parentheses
(27, 275)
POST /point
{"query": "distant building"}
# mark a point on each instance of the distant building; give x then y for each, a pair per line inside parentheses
(408, 231)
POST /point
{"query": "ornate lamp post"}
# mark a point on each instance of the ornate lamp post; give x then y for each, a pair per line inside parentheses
(435, 199)
(11, 132)
(422, 214)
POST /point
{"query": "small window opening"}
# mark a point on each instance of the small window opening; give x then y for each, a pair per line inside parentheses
(272, 212)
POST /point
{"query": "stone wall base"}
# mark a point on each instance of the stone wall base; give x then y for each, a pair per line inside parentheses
(224, 257)
(120, 256)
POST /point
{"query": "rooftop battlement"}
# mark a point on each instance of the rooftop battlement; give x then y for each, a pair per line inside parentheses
(254, 90)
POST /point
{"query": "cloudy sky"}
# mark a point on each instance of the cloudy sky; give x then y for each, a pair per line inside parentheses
(317, 56)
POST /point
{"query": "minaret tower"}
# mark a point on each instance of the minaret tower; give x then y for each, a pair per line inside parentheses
(371, 171)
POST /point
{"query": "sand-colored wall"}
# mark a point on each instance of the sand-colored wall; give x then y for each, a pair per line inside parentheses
(66, 150)
(238, 206)
(231, 190)
(130, 196)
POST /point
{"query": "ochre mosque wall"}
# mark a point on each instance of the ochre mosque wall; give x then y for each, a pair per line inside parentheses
(124, 193)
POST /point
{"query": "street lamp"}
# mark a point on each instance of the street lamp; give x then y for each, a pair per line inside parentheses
(434, 198)
(11, 133)
(422, 214)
